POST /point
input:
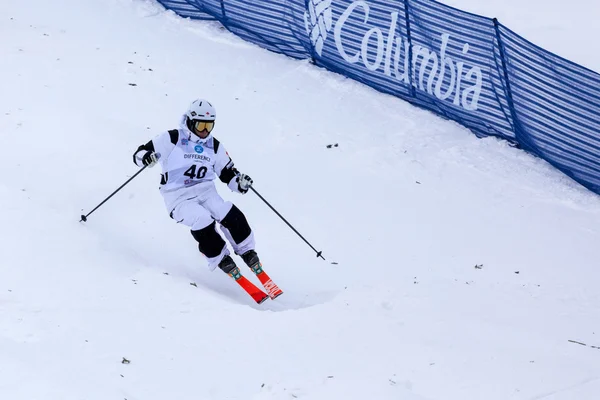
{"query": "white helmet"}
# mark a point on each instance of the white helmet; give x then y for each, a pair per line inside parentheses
(200, 110)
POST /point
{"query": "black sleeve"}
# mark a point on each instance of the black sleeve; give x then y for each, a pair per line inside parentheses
(161, 139)
(228, 173)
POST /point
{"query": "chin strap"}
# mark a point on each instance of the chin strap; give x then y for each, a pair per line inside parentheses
(197, 139)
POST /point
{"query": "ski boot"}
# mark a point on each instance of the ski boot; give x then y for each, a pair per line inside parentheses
(228, 266)
(253, 262)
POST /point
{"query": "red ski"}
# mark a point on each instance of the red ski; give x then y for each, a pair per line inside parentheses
(258, 295)
(270, 286)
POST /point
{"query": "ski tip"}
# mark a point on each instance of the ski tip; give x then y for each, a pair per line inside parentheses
(260, 301)
(276, 295)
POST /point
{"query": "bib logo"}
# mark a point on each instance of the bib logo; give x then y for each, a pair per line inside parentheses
(318, 21)
(199, 149)
(434, 73)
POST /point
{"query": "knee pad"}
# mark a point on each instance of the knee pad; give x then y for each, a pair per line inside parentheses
(210, 243)
(236, 224)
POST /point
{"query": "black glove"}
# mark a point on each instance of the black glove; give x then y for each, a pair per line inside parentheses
(149, 159)
(244, 183)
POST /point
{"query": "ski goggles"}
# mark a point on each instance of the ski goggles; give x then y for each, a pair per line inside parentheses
(199, 126)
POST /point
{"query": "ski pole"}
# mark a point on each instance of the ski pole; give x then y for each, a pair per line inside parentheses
(290, 225)
(84, 217)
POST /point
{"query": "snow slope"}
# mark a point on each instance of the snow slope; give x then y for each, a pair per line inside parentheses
(407, 205)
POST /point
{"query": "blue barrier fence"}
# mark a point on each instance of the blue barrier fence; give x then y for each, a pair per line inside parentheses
(462, 66)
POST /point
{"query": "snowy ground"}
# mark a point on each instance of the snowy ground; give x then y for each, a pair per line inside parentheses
(407, 205)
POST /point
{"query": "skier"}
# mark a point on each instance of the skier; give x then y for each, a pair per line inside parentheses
(191, 158)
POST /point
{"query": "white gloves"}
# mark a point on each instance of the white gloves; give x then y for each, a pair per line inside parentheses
(244, 183)
(150, 159)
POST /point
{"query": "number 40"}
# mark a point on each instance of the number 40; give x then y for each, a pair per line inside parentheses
(191, 172)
